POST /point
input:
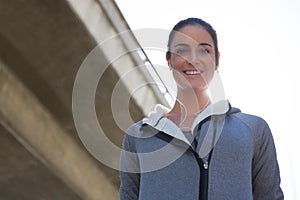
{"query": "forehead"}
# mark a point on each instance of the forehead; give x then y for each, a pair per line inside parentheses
(192, 34)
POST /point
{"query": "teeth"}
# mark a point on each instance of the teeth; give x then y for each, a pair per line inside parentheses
(192, 72)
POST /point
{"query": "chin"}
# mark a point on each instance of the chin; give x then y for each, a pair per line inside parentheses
(193, 87)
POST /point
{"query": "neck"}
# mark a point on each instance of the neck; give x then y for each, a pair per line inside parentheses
(191, 102)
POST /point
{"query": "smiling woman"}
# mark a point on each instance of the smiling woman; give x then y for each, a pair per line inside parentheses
(259, 44)
(192, 58)
(217, 152)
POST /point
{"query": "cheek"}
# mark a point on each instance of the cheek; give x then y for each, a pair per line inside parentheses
(209, 76)
(177, 61)
(210, 70)
(210, 63)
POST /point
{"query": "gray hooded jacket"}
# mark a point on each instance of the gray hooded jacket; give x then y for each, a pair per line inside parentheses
(227, 155)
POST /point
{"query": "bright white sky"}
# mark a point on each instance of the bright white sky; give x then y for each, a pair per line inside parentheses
(259, 43)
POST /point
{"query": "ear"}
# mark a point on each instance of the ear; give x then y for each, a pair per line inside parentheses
(217, 67)
(168, 58)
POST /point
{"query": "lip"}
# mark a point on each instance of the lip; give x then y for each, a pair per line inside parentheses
(192, 72)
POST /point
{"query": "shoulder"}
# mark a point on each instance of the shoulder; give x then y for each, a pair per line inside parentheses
(129, 138)
(250, 120)
(134, 128)
(258, 126)
(133, 132)
(138, 131)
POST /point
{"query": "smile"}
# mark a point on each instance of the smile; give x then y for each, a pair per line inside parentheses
(192, 72)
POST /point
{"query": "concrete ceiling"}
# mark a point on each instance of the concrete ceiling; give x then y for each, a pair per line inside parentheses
(22, 176)
(42, 45)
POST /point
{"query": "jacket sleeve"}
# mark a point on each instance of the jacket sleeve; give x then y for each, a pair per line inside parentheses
(129, 171)
(265, 169)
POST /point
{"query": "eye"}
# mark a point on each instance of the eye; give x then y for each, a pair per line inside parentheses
(203, 51)
(181, 51)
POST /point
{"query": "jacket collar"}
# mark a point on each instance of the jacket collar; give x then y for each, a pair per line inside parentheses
(157, 119)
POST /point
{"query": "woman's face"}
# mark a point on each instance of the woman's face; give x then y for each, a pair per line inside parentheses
(192, 57)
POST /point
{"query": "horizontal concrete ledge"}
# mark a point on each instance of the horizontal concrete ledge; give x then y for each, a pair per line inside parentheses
(38, 131)
(104, 22)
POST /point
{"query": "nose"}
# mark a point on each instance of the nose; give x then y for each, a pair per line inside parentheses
(193, 58)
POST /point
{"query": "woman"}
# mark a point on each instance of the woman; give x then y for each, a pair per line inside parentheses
(201, 148)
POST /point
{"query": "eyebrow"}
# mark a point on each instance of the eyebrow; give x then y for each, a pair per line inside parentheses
(205, 44)
(200, 44)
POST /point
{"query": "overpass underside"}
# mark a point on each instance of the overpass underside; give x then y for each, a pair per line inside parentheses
(42, 46)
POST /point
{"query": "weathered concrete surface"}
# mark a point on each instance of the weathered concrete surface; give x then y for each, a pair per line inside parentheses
(42, 45)
(25, 177)
(37, 130)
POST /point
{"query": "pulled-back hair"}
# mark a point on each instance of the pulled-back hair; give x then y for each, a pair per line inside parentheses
(195, 21)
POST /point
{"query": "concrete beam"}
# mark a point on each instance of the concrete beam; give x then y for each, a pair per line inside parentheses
(43, 49)
(38, 131)
(106, 24)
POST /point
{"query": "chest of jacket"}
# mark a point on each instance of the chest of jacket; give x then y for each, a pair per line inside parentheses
(171, 165)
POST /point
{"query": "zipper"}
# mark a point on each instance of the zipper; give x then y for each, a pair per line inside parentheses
(205, 165)
(203, 181)
(202, 162)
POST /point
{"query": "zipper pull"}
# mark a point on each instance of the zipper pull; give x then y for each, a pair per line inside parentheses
(205, 164)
